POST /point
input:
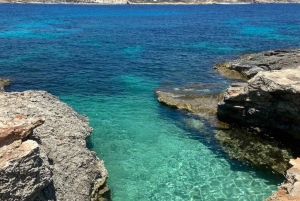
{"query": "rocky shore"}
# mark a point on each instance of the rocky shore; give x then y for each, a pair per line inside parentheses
(289, 190)
(269, 103)
(262, 111)
(43, 154)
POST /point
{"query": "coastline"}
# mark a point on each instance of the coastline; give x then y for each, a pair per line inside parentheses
(264, 106)
(36, 125)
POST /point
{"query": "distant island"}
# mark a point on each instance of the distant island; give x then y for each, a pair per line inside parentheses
(151, 1)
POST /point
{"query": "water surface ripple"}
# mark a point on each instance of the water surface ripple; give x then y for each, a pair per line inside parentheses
(105, 61)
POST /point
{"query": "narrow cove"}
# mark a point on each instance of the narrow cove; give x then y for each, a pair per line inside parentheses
(105, 61)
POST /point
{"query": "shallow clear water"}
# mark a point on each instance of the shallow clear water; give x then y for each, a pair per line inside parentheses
(105, 62)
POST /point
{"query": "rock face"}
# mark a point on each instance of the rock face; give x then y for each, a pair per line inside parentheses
(290, 189)
(269, 100)
(22, 171)
(250, 64)
(56, 148)
(16, 129)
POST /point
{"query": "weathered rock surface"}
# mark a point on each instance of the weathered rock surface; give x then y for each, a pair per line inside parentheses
(18, 128)
(290, 189)
(202, 105)
(269, 100)
(77, 173)
(23, 173)
(250, 64)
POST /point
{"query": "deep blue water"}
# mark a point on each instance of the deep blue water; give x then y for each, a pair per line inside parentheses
(105, 61)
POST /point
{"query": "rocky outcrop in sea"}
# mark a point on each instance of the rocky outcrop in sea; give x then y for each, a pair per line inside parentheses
(262, 113)
(270, 100)
(248, 65)
(43, 154)
(262, 151)
(267, 103)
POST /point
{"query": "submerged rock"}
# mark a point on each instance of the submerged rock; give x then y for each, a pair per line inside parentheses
(250, 64)
(269, 102)
(248, 146)
(238, 143)
(290, 189)
(60, 145)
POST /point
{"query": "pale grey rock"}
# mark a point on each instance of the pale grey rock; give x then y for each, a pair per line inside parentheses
(250, 64)
(77, 172)
(22, 172)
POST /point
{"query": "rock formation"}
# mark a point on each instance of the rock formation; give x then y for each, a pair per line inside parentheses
(234, 141)
(250, 64)
(202, 105)
(269, 100)
(18, 128)
(51, 162)
(252, 148)
(265, 107)
(290, 189)
(22, 171)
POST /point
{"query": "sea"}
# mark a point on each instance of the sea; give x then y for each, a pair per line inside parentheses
(106, 60)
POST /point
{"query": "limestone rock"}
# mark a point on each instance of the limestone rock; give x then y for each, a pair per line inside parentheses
(22, 172)
(250, 64)
(202, 105)
(17, 128)
(268, 100)
(77, 173)
(290, 189)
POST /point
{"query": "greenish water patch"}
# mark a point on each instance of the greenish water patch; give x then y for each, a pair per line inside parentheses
(151, 155)
(133, 51)
(27, 34)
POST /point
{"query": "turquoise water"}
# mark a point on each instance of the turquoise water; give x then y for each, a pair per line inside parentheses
(105, 61)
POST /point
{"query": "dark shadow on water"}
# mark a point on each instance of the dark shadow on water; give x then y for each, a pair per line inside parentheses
(89, 143)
